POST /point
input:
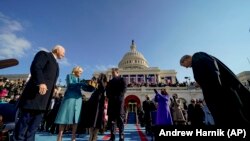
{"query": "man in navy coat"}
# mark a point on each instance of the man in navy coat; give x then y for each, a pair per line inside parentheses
(37, 93)
(115, 91)
(226, 97)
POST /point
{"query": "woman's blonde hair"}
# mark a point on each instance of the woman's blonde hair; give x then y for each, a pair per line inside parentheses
(77, 68)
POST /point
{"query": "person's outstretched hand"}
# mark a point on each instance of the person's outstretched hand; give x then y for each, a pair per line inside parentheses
(155, 90)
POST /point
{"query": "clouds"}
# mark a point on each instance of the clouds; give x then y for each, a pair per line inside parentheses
(8, 25)
(11, 45)
(103, 67)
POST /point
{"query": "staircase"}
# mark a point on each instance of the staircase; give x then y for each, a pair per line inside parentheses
(131, 118)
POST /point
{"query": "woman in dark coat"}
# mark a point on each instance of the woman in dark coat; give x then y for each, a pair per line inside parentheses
(96, 102)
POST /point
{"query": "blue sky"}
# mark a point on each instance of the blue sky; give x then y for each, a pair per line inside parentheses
(97, 33)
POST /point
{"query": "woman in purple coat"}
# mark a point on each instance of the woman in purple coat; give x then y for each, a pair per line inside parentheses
(163, 116)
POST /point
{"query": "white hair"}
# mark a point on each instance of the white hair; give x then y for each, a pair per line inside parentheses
(57, 47)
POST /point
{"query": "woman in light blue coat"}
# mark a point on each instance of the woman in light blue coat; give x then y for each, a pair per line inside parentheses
(69, 111)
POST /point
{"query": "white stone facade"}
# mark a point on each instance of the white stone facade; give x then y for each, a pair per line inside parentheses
(142, 79)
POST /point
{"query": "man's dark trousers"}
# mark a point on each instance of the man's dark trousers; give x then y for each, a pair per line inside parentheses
(27, 125)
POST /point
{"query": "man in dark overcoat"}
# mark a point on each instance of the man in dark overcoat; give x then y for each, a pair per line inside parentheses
(37, 93)
(148, 107)
(116, 88)
(226, 97)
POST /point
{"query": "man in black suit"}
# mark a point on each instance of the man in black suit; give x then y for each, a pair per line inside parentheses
(148, 106)
(115, 91)
(226, 97)
(37, 93)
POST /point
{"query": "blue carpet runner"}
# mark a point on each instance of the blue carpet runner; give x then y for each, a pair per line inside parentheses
(132, 132)
(131, 118)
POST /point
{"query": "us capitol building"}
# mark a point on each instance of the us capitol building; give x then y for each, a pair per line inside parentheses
(142, 80)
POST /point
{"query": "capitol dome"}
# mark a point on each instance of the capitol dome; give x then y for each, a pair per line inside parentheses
(133, 59)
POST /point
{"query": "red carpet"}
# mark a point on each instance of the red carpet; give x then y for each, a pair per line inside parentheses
(142, 136)
(139, 131)
(106, 137)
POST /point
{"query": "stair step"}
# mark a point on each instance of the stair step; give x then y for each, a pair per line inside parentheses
(131, 117)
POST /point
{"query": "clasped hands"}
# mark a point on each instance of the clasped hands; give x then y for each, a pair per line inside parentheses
(42, 89)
